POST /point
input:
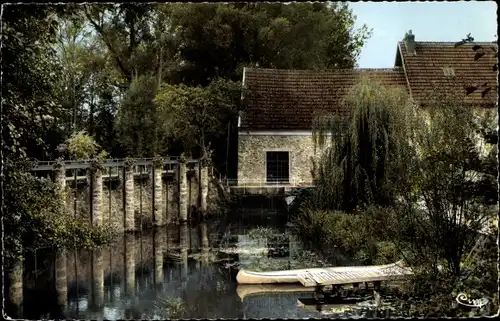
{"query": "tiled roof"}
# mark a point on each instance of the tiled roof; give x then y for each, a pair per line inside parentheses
(424, 69)
(289, 99)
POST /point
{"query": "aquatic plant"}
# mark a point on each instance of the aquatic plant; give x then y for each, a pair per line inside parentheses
(170, 307)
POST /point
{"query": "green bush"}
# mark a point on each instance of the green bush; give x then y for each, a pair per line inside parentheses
(35, 217)
(83, 146)
(361, 236)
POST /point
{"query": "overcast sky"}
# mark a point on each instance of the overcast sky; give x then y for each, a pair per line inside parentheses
(429, 21)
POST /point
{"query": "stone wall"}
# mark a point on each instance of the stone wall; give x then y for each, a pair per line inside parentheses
(252, 157)
(142, 203)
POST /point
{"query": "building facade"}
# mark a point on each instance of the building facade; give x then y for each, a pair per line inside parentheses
(275, 136)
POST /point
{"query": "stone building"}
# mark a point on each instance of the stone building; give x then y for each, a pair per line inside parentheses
(275, 145)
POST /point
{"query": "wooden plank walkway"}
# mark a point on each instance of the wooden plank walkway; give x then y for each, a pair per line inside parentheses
(328, 276)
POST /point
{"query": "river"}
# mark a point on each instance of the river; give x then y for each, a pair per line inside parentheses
(185, 271)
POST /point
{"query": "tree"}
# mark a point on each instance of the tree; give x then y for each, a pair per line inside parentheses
(195, 115)
(367, 151)
(138, 121)
(31, 127)
(29, 95)
(219, 40)
(442, 215)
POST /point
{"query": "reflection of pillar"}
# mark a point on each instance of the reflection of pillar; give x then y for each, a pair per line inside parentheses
(129, 199)
(98, 278)
(96, 195)
(129, 264)
(157, 193)
(183, 190)
(204, 241)
(203, 187)
(61, 281)
(158, 254)
(184, 245)
(16, 289)
(204, 235)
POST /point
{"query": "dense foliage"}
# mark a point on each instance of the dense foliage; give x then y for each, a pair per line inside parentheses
(368, 151)
(431, 205)
(138, 80)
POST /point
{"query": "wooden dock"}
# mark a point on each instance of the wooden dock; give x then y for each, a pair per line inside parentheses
(318, 277)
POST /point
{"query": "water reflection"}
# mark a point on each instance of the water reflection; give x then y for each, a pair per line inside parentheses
(129, 264)
(15, 293)
(185, 271)
(97, 279)
(158, 259)
(61, 281)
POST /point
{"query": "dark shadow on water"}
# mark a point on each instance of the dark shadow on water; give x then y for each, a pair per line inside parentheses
(184, 271)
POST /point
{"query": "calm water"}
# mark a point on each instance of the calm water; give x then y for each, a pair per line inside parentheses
(185, 271)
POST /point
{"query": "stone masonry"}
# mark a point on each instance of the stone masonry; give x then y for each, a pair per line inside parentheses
(252, 157)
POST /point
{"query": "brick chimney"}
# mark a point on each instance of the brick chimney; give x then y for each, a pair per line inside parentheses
(410, 43)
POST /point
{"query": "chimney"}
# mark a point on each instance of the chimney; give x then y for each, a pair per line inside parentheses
(410, 43)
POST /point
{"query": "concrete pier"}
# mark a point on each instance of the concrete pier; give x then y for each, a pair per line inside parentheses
(60, 180)
(129, 199)
(183, 190)
(203, 187)
(157, 194)
(61, 281)
(96, 195)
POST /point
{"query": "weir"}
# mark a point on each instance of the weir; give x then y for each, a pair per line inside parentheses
(127, 193)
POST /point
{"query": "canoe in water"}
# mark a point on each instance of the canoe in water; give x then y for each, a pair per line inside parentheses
(327, 276)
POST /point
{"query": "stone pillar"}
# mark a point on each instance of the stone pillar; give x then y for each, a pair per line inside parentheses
(61, 281)
(96, 195)
(98, 278)
(60, 180)
(15, 294)
(129, 264)
(129, 198)
(157, 192)
(158, 257)
(183, 190)
(203, 187)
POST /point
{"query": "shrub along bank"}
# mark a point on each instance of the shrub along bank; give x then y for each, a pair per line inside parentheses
(376, 236)
(35, 217)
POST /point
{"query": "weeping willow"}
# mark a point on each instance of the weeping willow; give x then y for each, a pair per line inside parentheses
(363, 157)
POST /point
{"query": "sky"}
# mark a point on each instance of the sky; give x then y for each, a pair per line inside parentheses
(429, 21)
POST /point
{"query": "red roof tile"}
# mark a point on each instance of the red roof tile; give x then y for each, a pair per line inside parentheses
(424, 69)
(289, 99)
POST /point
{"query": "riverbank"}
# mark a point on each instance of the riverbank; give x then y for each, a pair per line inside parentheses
(371, 237)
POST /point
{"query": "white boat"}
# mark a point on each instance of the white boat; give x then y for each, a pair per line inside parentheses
(327, 276)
